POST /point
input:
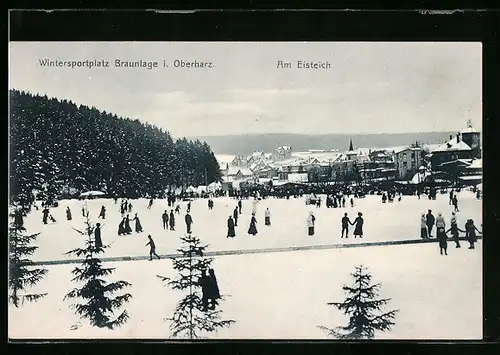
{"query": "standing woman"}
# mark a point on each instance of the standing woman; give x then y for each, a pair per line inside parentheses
(230, 228)
(252, 230)
(310, 223)
(68, 214)
(267, 217)
(138, 225)
(441, 234)
(358, 223)
(454, 229)
(423, 227)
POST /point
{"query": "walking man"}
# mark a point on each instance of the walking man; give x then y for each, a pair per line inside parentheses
(152, 248)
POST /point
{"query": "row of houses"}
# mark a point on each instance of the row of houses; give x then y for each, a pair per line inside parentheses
(459, 154)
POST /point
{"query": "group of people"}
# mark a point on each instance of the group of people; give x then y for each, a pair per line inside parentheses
(357, 223)
(428, 221)
(232, 221)
(124, 226)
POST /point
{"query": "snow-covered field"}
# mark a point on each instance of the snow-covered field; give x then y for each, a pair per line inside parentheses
(396, 221)
(284, 295)
(271, 295)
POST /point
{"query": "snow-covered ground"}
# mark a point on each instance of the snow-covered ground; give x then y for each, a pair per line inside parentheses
(284, 295)
(395, 221)
(272, 295)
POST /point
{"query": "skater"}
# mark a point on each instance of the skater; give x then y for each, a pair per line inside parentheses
(358, 229)
(384, 198)
(267, 218)
(150, 203)
(189, 222)
(121, 227)
(310, 223)
(171, 221)
(254, 206)
(230, 228)
(45, 213)
(164, 218)
(152, 248)
(102, 214)
(345, 226)
(235, 216)
(178, 209)
(130, 207)
(68, 214)
(455, 203)
(97, 236)
(441, 235)
(189, 207)
(454, 229)
(83, 211)
(470, 233)
(138, 225)
(429, 221)
(450, 202)
(343, 201)
(214, 289)
(122, 208)
(252, 230)
(128, 230)
(240, 204)
(204, 282)
(423, 227)
(210, 204)
(352, 202)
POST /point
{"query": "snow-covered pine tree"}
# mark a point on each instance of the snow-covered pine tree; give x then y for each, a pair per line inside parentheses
(22, 273)
(99, 305)
(189, 320)
(363, 309)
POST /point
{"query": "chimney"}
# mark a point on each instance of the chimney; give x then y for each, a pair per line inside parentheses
(458, 137)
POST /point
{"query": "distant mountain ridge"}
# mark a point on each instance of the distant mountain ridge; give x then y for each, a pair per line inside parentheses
(245, 144)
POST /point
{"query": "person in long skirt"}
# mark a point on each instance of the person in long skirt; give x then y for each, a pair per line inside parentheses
(470, 232)
(252, 230)
(310, 223)
(454, 230)
(235, 216)
(45, 213)
(97, 236)
(204, 282)
(189, 221)
(423, 227)
(138, 225)
(441, 234)
(267, 217)
(68, 214)
(455, 203)
(230, 228)
(214, 292)
(128, 230)
(121, 227)
(129, 207)
(152, 248)
(171, 221)
(102, 214)
(358, 226)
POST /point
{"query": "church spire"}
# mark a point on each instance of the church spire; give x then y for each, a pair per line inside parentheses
(350, 146)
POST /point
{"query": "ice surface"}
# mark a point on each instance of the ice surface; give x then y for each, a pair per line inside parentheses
(271, 295)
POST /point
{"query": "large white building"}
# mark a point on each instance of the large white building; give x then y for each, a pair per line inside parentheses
(407, 161)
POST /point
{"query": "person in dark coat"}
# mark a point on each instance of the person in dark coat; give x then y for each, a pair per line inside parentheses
(68, 214)
(178, 209)
(18, 218)
(164, 218)
(343, 201)
(189, 222)
(128, 230)
(470, 233)
(152, 248)
(45, 213)
(345, 226)
(138, 225)
(189, 207)
(97, 235)
(240, 204)
(130, 207)
(441, 234)
(455, 203)
(214, 292)
(171, 221)
(235, 216)
(102, 214)
(335, 203)
(352, 202)
(358, 223)
(430, 220)
(121, 227)
(454, 229)
(230, 228)
(150, 203)
(204, 282)
(450, 202)
(83, 211)
(252, 230)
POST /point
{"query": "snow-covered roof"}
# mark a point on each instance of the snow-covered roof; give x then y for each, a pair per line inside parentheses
(245, 171)
(452, 145)
(420, 177)
(403, 149)
(468, 130)
(224, 159)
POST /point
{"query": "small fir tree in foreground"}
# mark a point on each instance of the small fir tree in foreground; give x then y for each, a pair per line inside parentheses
(99, 305)
(190, 319)
(363, 309)
(22, 273)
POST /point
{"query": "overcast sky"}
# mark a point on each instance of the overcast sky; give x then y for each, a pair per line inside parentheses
(371, 87)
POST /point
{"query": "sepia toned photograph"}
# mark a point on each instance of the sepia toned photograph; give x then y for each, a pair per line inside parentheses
(245, 190)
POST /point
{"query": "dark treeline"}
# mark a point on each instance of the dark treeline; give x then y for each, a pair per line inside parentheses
(56, 145)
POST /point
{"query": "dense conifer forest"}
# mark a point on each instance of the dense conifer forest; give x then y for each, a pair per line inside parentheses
(57, 147)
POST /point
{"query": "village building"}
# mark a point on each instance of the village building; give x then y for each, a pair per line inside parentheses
(282, 153)
(407, 161)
